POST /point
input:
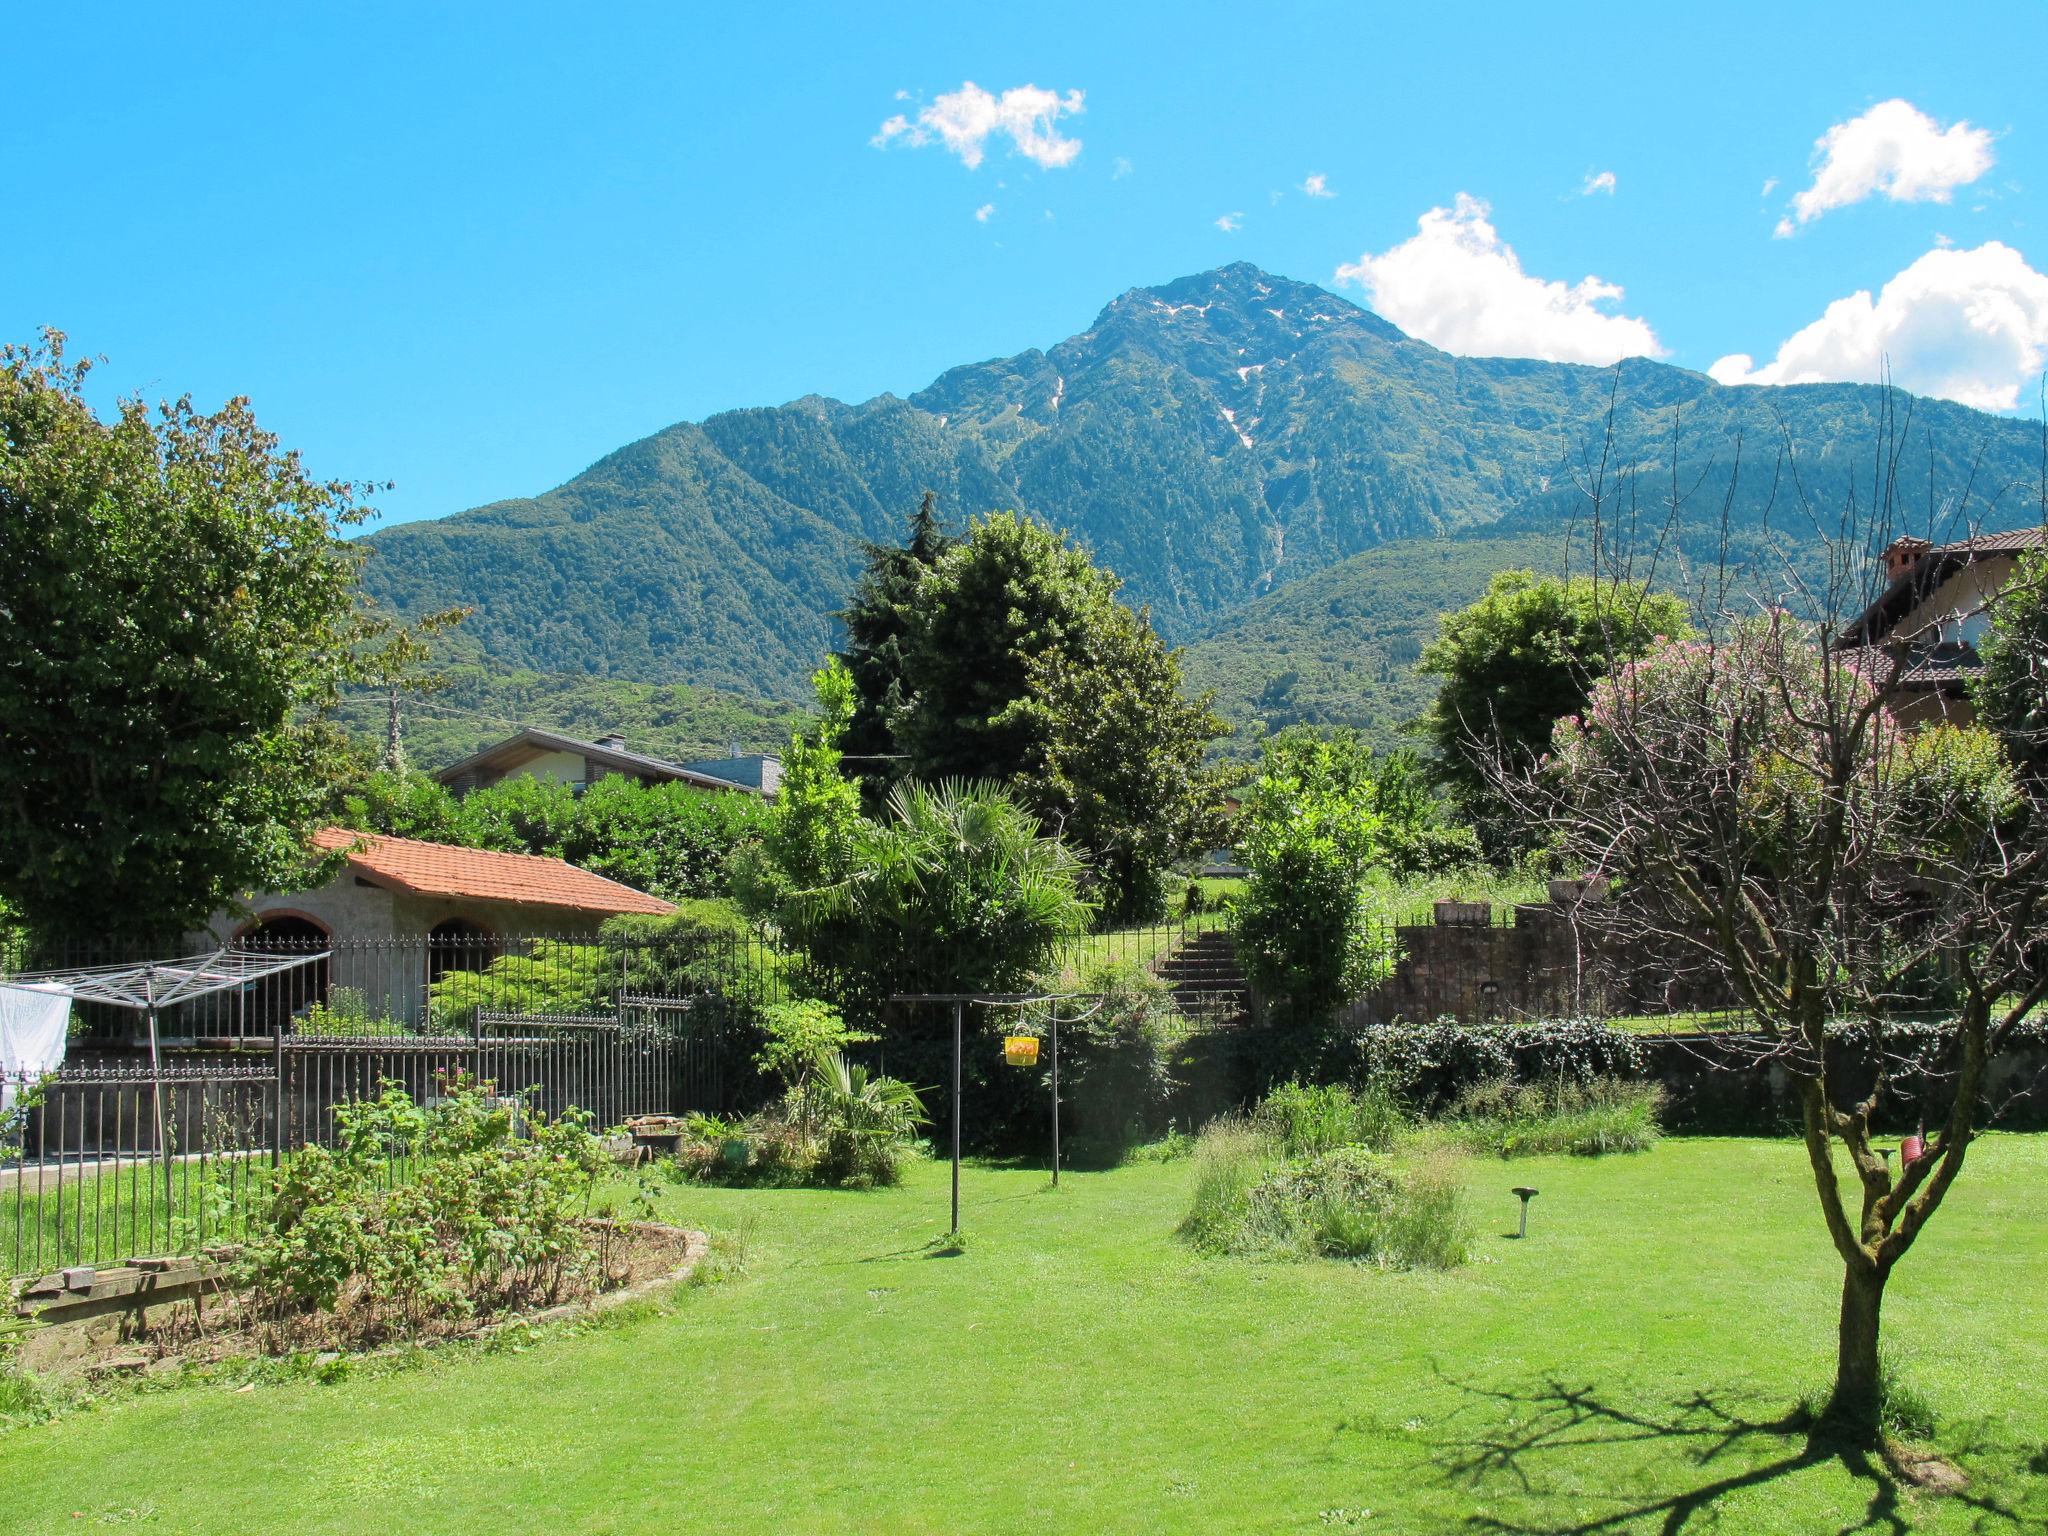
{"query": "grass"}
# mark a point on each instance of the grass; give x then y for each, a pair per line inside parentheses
(1144, 945)
(1506, 1119)
(1076, 1365)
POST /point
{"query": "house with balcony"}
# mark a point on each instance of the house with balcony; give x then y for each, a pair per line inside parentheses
(1934, 608)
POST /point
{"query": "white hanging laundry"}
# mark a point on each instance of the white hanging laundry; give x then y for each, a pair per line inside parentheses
(35, 1023)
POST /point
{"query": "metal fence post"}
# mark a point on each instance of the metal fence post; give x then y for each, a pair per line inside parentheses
(277, 1094)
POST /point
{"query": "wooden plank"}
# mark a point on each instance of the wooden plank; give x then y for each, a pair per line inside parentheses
(121, 1290)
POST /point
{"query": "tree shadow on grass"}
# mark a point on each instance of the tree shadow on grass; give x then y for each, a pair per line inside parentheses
(1526, 1426)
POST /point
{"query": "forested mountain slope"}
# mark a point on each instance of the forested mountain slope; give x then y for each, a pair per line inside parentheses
(1213, 440)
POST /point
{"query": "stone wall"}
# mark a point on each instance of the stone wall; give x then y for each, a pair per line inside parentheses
(1544, 964)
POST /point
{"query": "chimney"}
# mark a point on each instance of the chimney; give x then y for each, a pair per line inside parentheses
(1902, 555)
(612, 741)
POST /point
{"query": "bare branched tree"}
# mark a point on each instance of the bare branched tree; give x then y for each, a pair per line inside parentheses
(1774, 829)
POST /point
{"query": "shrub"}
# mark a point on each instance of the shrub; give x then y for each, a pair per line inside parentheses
(1306, 1120)
(837, 1123)
(1116, 1065)
(1348, 1202)
(1432, 1063)
(346, 1012)
(486, 1219)
(1511, 1119)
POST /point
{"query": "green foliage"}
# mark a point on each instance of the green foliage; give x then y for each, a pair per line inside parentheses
(838, 1124)
(1006, 657)
(345, 1012)
(988, 613)
(1117, 1061)
(1557, 1115)
(1304, 1120)
(799, 1034)
(2011, 692)
(1120, 764)
(1310, 835)
(954, 888)
(704, 953)
(549, 976)
(402, 804)
(877, 618)
(1523, 657)
(673, 840)
(1252, 1200)
(177, 616)
(487, 1220)
(1430, 1063)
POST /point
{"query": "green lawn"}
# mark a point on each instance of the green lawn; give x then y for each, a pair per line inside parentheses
(1075, 1369)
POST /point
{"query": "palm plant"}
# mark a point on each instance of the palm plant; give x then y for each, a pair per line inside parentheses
(960, 876)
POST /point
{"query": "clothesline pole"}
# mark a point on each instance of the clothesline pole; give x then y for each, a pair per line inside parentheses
(156, 1093)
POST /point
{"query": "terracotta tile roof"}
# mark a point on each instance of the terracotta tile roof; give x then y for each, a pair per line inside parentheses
(1996, 543)
(441, 869)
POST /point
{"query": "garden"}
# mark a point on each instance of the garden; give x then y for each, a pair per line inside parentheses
(1646, 1359)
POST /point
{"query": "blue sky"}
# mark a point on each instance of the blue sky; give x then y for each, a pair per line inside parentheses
(471, 251)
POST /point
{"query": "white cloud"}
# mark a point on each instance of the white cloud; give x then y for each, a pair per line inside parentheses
(1121, 168)
(1457, 284)
(1604, 182)
(1770, 186)
(984, 212)
(965, 120)
(1231, 223)
(1894, 149)
(1318, 185)
(1970, 326)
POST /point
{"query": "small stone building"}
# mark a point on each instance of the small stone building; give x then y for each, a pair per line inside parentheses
(400, 913)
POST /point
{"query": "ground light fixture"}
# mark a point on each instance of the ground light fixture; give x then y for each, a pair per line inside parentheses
(1526, 1194)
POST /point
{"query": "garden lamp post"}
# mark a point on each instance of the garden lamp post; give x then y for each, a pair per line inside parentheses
(1526, 1194)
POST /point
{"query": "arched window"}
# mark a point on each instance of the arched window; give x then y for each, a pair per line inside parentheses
(275, 1001)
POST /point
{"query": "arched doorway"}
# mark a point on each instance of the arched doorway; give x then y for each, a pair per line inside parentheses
(459, 944)
(275, 1001)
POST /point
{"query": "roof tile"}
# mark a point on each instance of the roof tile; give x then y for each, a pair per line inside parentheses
(442, 869)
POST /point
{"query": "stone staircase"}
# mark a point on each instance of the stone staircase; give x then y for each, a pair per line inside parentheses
(1208, 981)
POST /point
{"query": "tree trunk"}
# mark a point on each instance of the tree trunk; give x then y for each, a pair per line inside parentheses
(1855, 1403)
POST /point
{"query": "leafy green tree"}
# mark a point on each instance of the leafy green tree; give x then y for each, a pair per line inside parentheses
(1121, 770)
(1311, 838)
(177, 617)
(807, 842)
(877, 620)
(956, 887)
(1775, 833)
(673, 840)
(1518, 660)
(2011, 692)
(1020, 666)
(519, 814)
(986, 615)
(402, 804)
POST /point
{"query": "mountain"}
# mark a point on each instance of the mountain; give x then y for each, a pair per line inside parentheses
(1215, 441)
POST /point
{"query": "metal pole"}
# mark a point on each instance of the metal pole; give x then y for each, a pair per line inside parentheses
(1055, 1096)
(156, 1093)
(959, 1009)
(277, 1093)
